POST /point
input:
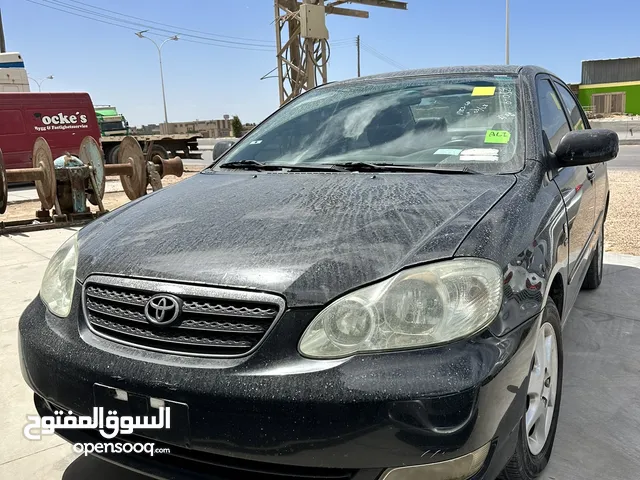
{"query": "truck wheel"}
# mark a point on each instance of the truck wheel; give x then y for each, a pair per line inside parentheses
(113, 155)
(593, 279)
(159, 150)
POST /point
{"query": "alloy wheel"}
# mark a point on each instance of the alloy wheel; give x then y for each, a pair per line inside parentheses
(543, 384)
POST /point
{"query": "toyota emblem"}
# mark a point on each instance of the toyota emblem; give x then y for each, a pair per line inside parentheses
(163, 309)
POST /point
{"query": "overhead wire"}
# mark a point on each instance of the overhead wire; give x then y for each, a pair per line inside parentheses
(183, 29)
(381, 56)
(94, 13)
(146, 25)
(128, 26)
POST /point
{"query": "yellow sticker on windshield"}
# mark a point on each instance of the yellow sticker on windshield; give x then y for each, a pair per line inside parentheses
(483, 91)
(497, 136)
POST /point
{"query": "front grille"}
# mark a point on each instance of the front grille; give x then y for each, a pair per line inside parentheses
(213, 321)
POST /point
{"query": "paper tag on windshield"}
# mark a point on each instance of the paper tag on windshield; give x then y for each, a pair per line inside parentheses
(483, 91)
(480, 155)
(448, 151)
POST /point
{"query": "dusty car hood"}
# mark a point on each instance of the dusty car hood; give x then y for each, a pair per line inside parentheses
(307, 236)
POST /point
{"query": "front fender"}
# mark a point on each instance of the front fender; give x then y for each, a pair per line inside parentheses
(524, 234)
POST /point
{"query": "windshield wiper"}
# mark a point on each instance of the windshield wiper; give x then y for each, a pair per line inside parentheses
(342, 167)
(255, 165)
(249, 165)
(394, 167)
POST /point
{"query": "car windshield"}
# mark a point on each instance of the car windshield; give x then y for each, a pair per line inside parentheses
(454, 122)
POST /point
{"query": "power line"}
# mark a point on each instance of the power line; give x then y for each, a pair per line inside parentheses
(127, 27)
(209, 39)
(381, 56)
(344, 40)
(78, 15)
(93, 14)
(182, 29)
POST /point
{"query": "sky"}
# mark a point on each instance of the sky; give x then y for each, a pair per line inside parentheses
(211, 78)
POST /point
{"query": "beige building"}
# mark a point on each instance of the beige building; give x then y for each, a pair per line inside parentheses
(206, 128)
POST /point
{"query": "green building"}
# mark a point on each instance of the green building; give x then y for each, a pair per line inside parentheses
(611, 86)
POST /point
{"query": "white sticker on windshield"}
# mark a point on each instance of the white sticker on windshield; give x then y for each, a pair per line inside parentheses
(448, 151)
(255, 142)
(480, 155)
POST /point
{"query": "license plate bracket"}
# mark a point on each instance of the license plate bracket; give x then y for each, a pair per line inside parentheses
(127, 403)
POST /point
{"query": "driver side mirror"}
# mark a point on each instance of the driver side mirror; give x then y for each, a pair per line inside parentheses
(221, 147)
(585, 147)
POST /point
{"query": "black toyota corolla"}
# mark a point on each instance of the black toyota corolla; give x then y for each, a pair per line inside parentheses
(369, 285)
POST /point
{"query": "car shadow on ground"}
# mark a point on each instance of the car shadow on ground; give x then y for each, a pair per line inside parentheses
(598, 433)
(94, 468)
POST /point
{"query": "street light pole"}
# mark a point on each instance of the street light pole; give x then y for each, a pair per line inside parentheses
(50, 77)
(507, 35)
(159, 47)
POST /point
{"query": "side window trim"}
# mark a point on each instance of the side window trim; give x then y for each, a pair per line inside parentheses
(540, 79)
(558, 84)
(538, 110)
(567, 114)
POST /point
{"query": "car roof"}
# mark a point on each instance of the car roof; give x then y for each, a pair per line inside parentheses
(523, 70)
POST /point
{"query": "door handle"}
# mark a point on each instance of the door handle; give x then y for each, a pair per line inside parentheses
(591, 174)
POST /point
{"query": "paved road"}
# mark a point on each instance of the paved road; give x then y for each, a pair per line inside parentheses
(628, 158)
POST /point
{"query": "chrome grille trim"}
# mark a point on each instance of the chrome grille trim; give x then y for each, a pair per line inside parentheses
(213, 318)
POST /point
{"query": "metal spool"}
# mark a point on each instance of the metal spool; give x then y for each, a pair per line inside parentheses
(91, 154)
(46, 179)
(171, 166)
(135, 184)
(4, 194)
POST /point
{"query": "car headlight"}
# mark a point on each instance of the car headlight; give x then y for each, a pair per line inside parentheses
(59, 279)
(419, 307)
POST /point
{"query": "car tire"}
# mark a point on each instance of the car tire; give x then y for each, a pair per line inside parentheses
(593, 279)
(532, 453)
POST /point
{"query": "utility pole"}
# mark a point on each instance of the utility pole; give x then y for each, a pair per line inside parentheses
(507, 35)
(358, 47)
(3, 46)
(175, 38)
(302, 40)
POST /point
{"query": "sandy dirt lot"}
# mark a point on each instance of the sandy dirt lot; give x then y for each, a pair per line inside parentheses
(622, 230)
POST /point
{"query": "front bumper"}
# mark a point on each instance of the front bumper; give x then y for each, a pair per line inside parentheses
(281, 415)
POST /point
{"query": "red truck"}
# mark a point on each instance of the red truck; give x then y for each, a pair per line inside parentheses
(62, 119)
